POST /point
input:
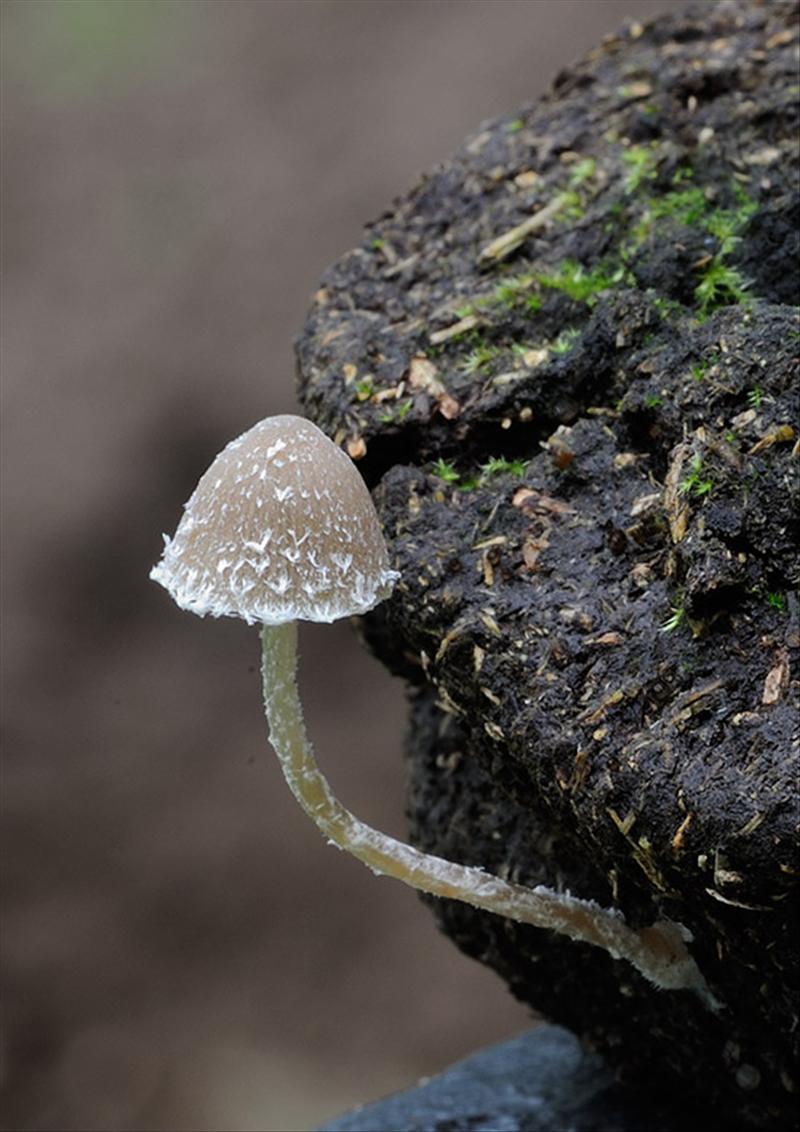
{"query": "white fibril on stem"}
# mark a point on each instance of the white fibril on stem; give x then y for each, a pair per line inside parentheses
(280, 528)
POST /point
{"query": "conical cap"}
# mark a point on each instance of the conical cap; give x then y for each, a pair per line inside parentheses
(280, 528)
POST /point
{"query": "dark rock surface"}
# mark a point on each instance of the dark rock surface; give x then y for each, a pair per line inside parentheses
(565, 361)
(538, 1082)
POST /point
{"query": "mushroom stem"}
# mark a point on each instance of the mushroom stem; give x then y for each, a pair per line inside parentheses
(658, 952)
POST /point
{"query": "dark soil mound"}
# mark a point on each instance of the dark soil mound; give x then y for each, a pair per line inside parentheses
(565, 361)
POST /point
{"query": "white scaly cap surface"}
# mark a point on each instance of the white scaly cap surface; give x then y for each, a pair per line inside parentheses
(280, 528)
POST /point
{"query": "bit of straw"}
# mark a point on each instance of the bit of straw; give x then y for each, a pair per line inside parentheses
(502, 247)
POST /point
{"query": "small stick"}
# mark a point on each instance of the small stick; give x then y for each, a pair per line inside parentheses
(504, 245)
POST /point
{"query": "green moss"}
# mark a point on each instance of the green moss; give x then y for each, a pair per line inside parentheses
(580, 283)
(777, 601)
(462, 481)
(667, 308)
(641, 162)
(694, 483)
(723, 225)
(507, 295)
(511, 289)
(676, 618)
(572, 207)
(565, 341)
(701, 368)
(445, 471)
(479, 357)
(508, 291)
(582, 171)
(691, 205)
(499, 466)
(687, 206)
(720, 285)
(398, 412)
(687, 203)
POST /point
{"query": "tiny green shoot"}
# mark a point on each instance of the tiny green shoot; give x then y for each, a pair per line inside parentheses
(479, 358)
(676, 618)
(498, 466)
(641, 167)
(445, 471)
(580, 283)
(720, 285)
(565, 341)
(581, 171)
(694, 483)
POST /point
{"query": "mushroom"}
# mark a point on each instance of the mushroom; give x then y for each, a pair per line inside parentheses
(281, 528)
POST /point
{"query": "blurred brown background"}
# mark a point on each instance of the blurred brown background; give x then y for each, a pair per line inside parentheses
(180, 949)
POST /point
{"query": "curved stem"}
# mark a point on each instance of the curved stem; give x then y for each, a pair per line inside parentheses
(658, 952)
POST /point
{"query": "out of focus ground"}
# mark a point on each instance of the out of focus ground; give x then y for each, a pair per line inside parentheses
(180, 950)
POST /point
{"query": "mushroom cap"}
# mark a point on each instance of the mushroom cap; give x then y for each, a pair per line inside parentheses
(280, 528)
